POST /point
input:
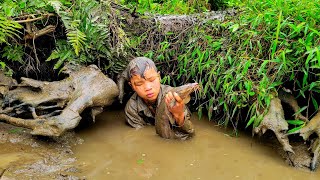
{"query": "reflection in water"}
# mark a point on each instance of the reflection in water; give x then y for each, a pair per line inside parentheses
(113, 150)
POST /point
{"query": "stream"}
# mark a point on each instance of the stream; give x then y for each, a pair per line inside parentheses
(113, 150)
(110, 149)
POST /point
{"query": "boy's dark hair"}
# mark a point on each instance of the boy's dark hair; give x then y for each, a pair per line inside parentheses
(138, 65)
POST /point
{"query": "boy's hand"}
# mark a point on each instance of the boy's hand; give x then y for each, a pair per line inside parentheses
(178, 109)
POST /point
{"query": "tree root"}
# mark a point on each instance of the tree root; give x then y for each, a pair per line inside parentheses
(51, 108)
(274, 120)
(312, 127)
(315, 148)
(289, 99)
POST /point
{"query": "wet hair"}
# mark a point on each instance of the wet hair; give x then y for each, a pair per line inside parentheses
(139, 65)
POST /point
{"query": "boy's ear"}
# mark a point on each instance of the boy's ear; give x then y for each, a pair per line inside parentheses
(130, 83)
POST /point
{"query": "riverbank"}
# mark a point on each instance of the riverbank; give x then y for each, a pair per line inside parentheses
(23, 156)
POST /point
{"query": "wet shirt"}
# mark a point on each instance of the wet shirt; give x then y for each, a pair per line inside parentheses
(138, 114)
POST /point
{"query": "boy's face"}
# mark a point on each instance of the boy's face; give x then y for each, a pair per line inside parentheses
(147, 88)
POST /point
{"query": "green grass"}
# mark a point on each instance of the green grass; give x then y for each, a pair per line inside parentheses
(243, 61)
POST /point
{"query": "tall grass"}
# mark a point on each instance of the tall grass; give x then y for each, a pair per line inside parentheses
(242, 61)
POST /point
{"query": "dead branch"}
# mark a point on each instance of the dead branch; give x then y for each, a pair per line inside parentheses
(274, 120)
(33, 19)
(35, 35)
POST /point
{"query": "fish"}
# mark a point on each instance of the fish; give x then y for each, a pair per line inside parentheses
(164, 118)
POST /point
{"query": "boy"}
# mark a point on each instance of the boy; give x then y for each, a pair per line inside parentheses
(140, 109)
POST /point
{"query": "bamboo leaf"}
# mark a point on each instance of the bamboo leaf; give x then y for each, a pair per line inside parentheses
(301, 110)
(294, 129)
(296, 122)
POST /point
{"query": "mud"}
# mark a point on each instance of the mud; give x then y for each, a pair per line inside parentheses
(300, 159)
(24, 156)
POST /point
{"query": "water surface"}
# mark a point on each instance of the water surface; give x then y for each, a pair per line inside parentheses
(113, 150)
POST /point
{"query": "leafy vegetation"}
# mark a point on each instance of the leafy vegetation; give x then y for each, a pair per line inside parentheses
(167, 7)
(243, 61)
(92, 35)
(240, 61)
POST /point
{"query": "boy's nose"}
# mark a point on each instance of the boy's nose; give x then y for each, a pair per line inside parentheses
(148, 86)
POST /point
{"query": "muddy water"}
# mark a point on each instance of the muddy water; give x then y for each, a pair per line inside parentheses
(112, 150)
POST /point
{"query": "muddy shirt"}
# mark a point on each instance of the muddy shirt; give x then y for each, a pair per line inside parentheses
(138, 114)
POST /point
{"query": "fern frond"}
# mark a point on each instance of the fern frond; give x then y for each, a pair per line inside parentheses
(63, 53)
(77, 40)
(56, 5)
(8, 28)
(13, 53)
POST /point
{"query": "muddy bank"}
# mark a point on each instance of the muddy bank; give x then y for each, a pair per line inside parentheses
(23, 156)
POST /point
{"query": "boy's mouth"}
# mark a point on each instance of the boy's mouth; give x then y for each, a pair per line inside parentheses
(149, 95)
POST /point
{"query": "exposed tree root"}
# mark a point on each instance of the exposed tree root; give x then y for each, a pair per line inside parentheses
(312, 127)
(51, 108)
(274, 120)
(32, 17)
(315, 148)
(289, 99)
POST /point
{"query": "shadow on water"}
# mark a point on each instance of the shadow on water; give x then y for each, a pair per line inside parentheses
(113, 150)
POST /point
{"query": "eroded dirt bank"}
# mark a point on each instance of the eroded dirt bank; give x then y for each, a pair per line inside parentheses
(23, 156)
(108, 149)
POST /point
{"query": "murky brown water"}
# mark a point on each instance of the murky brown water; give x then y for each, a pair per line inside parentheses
(113, 150)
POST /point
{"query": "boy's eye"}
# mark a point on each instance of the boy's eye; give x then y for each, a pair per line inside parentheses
(152, 79)
(138, 84)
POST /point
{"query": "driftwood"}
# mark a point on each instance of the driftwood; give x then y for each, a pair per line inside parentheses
(51, 108)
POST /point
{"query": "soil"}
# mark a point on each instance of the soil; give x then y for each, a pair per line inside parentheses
(24, 156)
(300, 159)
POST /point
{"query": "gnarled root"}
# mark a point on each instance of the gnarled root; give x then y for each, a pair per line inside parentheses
(289, 99)
(56, 106)
(315, 148)
(274, 120)
(312, 127)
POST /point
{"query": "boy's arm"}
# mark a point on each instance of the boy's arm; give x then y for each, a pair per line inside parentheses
(178, 109)
(180, 113)
(187, 125)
